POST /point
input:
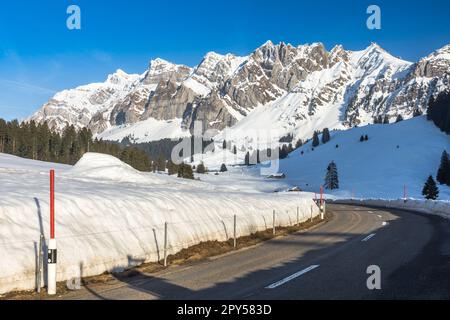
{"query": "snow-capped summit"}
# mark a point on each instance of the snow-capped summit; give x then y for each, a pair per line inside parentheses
(121, 78)
(162, 70)
(376, 59)
(435, 64)
(297, 89)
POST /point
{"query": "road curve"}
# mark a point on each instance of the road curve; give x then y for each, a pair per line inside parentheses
(329, 261)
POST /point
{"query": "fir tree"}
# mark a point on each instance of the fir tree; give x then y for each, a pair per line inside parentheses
(315, 142)
(247, 159)
(38, 142)
(298, 144)
(223, 168)
(331, 178)
(185, 171)
(201, 168)
(326, 135)
(172, 168)
(399, 118)
(430, 190)
(443, 174)
(234, 150)
(161, 164)
(386, 119)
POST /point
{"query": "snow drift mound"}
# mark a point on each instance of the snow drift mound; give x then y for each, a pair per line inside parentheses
(107, 225)
(106, 167)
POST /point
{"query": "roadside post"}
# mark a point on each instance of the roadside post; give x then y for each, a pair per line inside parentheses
(52, 251)
(165, 244)
(274, 222)
(234, 232)
(40, 263)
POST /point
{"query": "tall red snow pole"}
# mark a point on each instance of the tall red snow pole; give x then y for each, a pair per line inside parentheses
(52, 252)
(52, 204)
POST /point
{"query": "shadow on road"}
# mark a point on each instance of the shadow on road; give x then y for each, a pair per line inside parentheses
(425, 275)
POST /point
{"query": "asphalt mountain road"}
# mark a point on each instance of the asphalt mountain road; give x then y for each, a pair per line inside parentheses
(329, 261)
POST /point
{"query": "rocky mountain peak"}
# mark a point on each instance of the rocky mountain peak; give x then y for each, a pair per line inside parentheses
(162, 70)
(435, 64)
(338, 54)
(293, 84)
(121, 78)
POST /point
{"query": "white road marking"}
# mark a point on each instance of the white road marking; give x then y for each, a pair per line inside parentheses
(384, 223)
(292, 277)
(370, 236)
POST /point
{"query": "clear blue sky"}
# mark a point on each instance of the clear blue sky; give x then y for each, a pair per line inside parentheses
(39, 55)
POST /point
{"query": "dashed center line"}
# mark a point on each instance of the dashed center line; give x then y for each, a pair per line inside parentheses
(370, 236)
(292, 277)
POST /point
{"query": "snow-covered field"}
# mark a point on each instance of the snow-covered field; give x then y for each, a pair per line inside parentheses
(146, 131)
(399, 154)
(110, 217)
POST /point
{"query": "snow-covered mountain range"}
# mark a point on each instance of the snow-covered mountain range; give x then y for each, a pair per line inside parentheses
(279, 86)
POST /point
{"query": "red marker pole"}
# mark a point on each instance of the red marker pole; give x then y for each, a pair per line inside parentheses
(52, 204)
(52, 252)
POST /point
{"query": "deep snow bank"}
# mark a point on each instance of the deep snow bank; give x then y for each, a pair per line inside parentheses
(106, 167)
(110, 217)
(439, 208)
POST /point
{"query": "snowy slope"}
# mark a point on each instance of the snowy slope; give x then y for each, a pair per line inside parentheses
(146, 131)
(372, 169)
(376, 168)
(110, 216)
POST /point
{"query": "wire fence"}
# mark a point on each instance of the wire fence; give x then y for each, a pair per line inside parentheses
(134, 245)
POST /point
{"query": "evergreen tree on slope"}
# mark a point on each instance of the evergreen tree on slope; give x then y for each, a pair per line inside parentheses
(331, 178)
(443, 174)
(430, 190)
